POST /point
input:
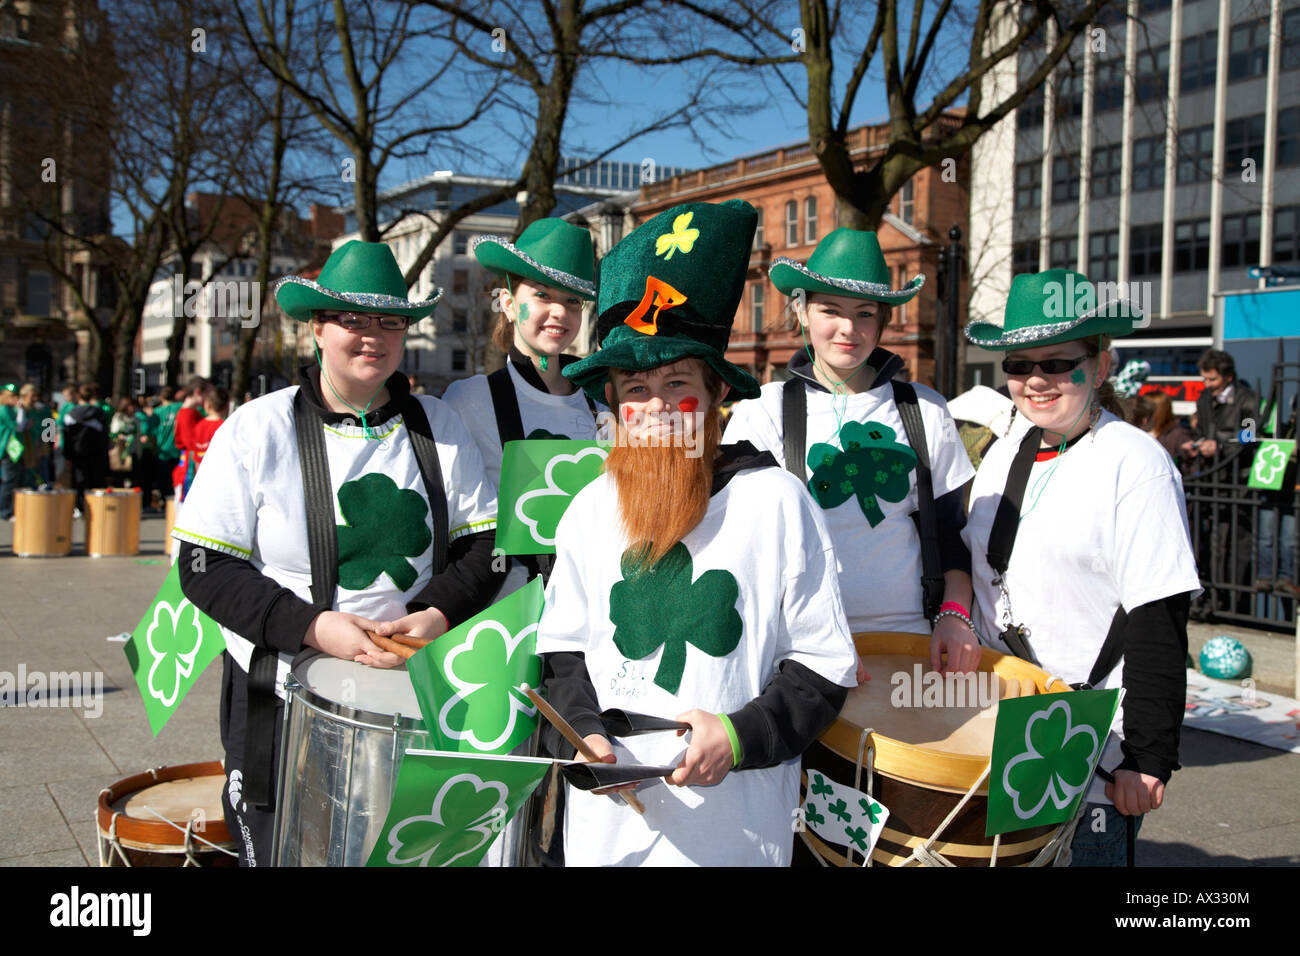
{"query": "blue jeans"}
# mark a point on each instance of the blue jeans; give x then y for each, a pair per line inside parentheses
(1101, 838)
(11, 479)
(1283, 543)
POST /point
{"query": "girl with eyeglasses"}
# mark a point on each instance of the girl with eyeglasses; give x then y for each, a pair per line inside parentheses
(338, 449)
(1100, 573)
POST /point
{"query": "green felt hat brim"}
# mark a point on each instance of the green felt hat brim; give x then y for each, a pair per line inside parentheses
(995, 338)
(637, 353)
(299, 297)
(504, 258)
(788, 276)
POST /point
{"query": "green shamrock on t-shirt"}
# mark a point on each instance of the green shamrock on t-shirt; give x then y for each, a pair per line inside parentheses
(384, 525)
(702, 612)
(872, 465)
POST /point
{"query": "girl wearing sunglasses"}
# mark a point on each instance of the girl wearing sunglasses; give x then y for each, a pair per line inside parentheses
(1100, 572)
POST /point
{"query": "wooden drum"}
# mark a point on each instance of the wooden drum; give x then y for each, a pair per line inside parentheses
(927, 751)
(43, 522)
(167, 817)
(112, 522)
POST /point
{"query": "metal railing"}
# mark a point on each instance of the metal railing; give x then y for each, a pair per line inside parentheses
(1246, 542)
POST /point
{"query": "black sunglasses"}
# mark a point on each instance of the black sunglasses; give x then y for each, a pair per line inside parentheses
(1053, 366)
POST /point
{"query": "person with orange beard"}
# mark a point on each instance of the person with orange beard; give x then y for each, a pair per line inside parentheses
(693, 581)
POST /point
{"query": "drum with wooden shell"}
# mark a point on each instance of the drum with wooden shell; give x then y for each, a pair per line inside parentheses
(43, 522)
(921, 760)
(167, 817)
(112, 522)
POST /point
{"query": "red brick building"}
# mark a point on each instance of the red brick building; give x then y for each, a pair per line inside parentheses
(796, 208)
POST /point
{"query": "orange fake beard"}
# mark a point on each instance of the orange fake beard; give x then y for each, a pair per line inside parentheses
(662, 492)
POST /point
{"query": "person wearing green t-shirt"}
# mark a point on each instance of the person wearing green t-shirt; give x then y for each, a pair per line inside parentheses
(164, 434)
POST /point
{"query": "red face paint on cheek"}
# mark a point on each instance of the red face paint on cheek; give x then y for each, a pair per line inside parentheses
(628, 413)
(689, 404)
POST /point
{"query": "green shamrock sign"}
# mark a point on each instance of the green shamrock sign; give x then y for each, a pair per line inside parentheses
(1045, 751)
(852, 819)
(1269, 467)
(538, 480)
(384, 525)
(448, 808)
(704, 612)
(467, 681)
(871, 465)
(169, 649)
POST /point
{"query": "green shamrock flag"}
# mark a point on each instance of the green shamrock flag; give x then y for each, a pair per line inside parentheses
(467, 681)
(872, 465)
(538, 480)
(383, 526)
(1045, 751)
(448, 808)
(169, 649)
(1269, 467)
(703, 612)
(842, 815)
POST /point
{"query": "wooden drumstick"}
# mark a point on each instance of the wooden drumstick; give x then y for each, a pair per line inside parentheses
(384, 643)
(410, 640)
(572, 737)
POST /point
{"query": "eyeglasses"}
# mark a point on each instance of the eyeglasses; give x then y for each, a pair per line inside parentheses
(1053, 366)
(360, 321)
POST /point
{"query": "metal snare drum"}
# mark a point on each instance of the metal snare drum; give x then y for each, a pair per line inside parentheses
(346, 727)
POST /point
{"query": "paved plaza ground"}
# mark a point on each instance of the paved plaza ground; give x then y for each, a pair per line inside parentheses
(1233, 804)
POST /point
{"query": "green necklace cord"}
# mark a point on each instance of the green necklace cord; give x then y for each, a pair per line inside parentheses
(839, 389)
(521, 313)
(1040, 484)
(365, 427)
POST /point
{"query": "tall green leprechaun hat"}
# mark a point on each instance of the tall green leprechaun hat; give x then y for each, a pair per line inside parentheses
(358, 276)
(1059, 305)
(550, 251)
(847, 262)
(669, 290)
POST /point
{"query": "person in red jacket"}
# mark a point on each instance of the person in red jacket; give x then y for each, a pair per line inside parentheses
(190, 414)
(217, 407)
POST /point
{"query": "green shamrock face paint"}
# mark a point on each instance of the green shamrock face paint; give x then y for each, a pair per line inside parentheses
(1077, 376)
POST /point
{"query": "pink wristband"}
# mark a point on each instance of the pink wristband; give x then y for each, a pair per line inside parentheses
(954, 606)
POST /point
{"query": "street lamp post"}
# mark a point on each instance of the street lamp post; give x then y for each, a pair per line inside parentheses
(946, 330)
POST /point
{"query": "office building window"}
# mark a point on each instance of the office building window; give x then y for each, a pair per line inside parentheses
(1106, 169)
(756, 305)
(1029, 185)
(1195, 154)
(459, 360)
(1241, 240)
(1064, 253)
(758, 228)
(38, 293)
(1149, 163)
(1065, 178)
(1291, 39)
(459, 320)
(1029, 115)
(1192, 245)
(1288, 137)
(1286, 234)
(906, 203)
(792, 223)
(1103, 255)
(1153, 74)
(1248, 50)
(459, 243)
(1108, 85)
(1244, 140)
(1144, 250)
(1024, 257)
(1198, 64)
(1069, 99)
(460, 281)
(810, 219)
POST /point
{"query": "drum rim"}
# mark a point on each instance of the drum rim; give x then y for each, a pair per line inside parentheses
(138, 833)
(356, 716)
(947, 769)
(112, 493)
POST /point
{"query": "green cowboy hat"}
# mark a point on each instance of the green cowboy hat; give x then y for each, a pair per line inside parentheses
(358, 276)
(550, 251)
(1059, 305)
(669, 290)
(847, 262)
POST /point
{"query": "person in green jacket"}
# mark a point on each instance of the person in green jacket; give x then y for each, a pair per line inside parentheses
(164, 432)
(16, 453)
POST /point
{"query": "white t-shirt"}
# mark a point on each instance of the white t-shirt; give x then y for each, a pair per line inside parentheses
(1108, 528)
(788, 608)
(247, 501)
(880, 566)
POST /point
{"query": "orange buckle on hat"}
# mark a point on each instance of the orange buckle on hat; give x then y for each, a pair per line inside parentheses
(658, 294)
